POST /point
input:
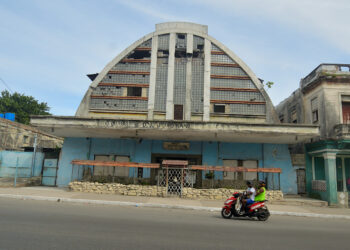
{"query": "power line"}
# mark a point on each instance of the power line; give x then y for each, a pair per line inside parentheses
(6, 85)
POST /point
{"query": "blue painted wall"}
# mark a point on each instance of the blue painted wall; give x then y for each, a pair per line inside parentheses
(213, 153)
(9, 160)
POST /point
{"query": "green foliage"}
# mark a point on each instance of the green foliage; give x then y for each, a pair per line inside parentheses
(210, 175)
(23, 106)
(269, 84)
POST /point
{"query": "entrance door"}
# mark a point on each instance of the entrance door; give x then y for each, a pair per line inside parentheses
(178, 112)
(301, 181)
(49, 172)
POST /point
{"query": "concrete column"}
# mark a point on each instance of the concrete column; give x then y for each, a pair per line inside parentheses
(152, 78)
(331, 177)
(206, 92)
(171, 71)
(189, 51)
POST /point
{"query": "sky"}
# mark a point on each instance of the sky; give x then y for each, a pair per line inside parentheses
(48, 46)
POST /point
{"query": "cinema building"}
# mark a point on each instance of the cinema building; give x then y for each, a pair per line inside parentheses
(177, 94)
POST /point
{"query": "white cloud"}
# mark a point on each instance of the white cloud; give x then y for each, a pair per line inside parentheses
(327, 19)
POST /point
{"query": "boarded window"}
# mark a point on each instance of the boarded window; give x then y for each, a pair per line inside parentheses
(134, 91)
(111, 171)
(240, 175)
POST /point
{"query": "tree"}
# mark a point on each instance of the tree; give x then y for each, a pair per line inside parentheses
(23, 106)
(269, 84)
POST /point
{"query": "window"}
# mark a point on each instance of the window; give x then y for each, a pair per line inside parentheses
(281, 118)
(134, 91)
(219, 108)
(293, 115)
(346, 112)
(314, 110)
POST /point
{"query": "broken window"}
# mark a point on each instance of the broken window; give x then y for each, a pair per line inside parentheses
(140, 54)
(219, 108)
(134, 91)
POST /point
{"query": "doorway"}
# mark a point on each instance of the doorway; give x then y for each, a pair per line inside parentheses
(192, 160)
(301, 181)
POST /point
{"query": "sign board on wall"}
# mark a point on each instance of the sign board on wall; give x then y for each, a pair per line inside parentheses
(298, 160)
(176, 145)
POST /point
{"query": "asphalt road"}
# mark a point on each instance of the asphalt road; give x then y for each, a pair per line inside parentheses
(51, 225)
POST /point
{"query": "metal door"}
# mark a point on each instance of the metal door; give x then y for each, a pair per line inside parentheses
(49, 172)
(301, 181)
(175, 179)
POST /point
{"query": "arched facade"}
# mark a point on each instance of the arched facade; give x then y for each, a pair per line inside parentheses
(178, 72)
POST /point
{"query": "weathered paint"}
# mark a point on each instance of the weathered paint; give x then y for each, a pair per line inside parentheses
(213, 153)
(9, 160)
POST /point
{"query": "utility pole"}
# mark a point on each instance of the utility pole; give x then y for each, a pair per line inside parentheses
(34, 153)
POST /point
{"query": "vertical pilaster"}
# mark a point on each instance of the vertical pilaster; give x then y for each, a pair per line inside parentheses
(189, 51)
(343, 174)
(206, 90)
(313, 168)
(171, 71)
(331, 177)
(152, 78)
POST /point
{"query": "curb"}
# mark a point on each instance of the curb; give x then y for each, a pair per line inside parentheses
(136, 204)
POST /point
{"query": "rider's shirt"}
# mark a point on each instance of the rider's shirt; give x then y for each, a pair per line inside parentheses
(253, 193)
(261, 196)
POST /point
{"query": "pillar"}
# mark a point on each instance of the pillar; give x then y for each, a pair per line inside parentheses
(331, 177)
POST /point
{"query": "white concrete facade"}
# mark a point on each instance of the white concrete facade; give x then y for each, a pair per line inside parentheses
(190, 30)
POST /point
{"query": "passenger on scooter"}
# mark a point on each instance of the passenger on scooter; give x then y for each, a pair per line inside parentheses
(251, 195)
(261, 194)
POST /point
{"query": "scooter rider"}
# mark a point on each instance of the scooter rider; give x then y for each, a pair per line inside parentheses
(251, 195)
(261, 194)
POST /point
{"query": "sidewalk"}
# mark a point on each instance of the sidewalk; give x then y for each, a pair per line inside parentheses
(64, 195)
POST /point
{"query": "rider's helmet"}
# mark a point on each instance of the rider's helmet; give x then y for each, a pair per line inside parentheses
(262, 183)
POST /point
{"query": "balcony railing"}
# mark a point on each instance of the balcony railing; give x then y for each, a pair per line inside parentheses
(342, 130)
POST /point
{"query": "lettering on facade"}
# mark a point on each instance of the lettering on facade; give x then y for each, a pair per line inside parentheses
(176, 145)
(145, 124)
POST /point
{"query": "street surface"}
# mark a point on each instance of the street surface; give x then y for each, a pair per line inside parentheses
(28, 224)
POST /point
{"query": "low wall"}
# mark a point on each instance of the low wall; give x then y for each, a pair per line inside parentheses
(155, 191)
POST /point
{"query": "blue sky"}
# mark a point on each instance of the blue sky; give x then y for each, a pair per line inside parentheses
(47, 47)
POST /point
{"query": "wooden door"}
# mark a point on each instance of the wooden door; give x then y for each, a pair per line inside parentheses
(178, 112)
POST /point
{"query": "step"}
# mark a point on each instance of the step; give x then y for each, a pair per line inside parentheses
(300, 202)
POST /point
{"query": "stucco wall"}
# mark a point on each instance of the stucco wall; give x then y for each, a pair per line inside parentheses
(213, 153)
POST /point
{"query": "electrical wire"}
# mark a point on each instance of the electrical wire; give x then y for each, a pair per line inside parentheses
(6, 85)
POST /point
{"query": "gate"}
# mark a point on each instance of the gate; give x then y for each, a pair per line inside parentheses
(175, 175)
(49, 172)
(301, 180)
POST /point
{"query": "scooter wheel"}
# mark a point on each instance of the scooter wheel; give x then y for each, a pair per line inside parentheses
(263, 214)
(226, 214)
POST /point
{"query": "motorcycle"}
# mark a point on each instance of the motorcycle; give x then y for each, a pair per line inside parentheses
(233, 207)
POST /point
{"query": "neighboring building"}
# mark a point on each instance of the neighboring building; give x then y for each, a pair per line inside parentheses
(324, 99)
(23, 151)
(15, 136)
(177, 94)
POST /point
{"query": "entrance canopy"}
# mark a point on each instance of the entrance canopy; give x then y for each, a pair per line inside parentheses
(64, 126)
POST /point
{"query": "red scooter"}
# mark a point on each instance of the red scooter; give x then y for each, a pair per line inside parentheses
(233, 207)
